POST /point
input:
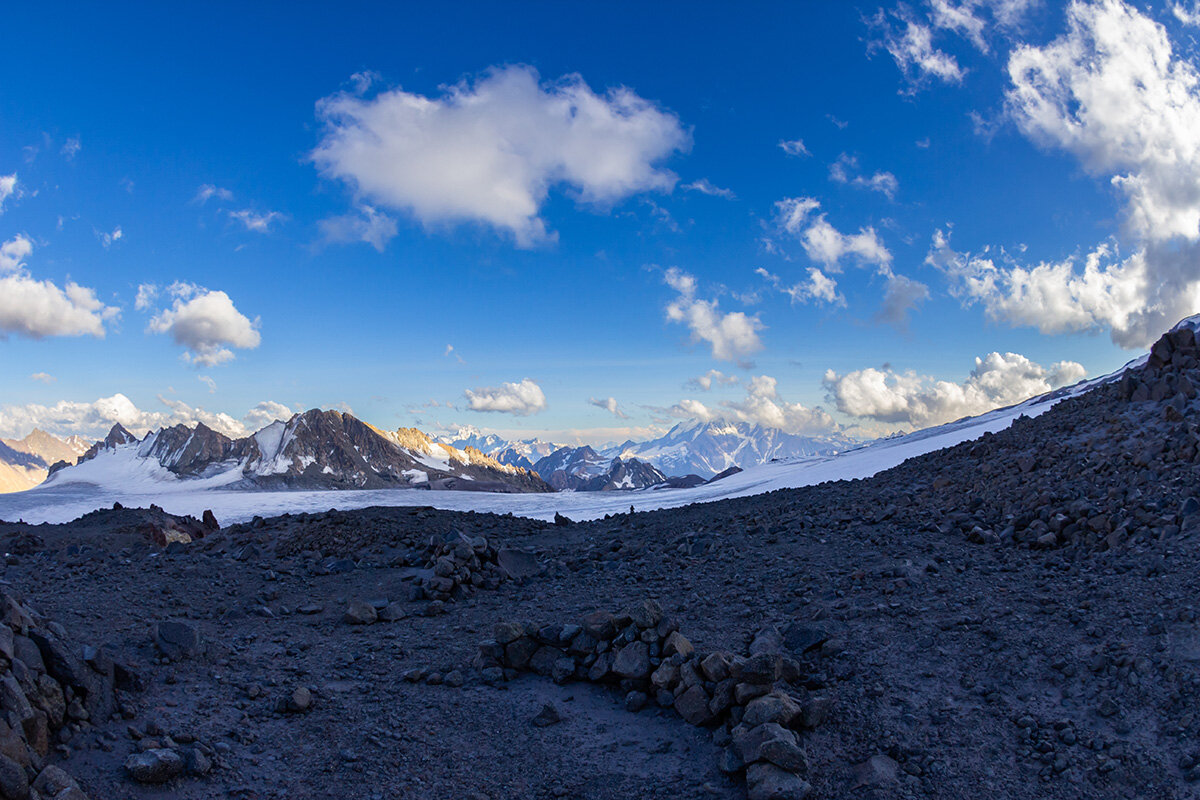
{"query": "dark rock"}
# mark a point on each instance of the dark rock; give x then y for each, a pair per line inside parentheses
(155, 766)
(178, 640)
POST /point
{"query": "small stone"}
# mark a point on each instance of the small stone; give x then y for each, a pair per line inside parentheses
(635, 701)
(360, 613)
(677, 643)
(155, 766)
(875, 771)
(300, 701)
(178, 640)
(769, 782)
(392, 612)
(549, 715)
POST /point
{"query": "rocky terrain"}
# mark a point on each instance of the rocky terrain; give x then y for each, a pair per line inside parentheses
(1012, 617)
(24, 463)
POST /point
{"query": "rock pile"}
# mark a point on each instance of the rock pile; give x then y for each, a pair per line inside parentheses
(459, 564)
(50, 688)
(756, 704)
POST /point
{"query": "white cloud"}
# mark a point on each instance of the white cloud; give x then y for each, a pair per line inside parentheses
(364, 224)
(108, 239)
(1189, 16)
(794, 147)
(520, 399)
(208, 191)
(37, 309)
(818, 286)
(94, 419)
(705, 186)
(733, 336)
(763, 406)
(43, 377)
(692, 409)
(1056, 297)
(845, 170)
(256, 222)
(206, 323)
(825, 244)
(208, 381)
(910, 44)
(1111, 92)
(147, 293)
(609, 404)
(962, 18)
(491, 150)
(450, 351)
(264, 414)
(14, 252)
(8, 188)
(902, 297)
(998, 379)
(71, 148)
(714, 377)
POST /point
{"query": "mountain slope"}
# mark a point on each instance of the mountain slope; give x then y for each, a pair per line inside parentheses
(24, 463)
(582, 469)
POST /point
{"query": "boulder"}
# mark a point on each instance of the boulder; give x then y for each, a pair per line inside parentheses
(157, 765)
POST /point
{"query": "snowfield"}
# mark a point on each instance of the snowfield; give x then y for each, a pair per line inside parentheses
(119, 476)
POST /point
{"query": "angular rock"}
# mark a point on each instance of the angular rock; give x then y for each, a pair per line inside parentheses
(633, 661)
(769, 782)
(360, 613)
(178, 640)
(155, 766)
(692, 705)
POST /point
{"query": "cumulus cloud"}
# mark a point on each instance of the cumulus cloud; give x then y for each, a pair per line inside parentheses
(825, 244)
(264, 414)
(37, 309)
(490, 150)
(254, 221)
(14, 252)
(691, 409)
(732, 336)
(609, 404)
(206, 323)
(1112, 93)
(845, 170)
(363, 224)
(705, 186)
(208, 191)
(94, 419)
(519, 399)
(794, 147)
(902, 297)
(1188, 15)
(8, 188)
(998, 379)
(762, 406)
(714, 377)
(817, 286)
(910, 44)
(1058, 297)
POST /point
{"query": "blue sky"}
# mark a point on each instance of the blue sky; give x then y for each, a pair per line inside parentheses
(588, 203)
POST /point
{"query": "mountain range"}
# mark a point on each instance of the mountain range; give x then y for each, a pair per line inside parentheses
(328, 449)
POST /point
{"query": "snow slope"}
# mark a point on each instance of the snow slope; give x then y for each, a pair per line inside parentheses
(134, 484)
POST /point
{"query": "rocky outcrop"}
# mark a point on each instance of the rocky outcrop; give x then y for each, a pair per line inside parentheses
(582, 469)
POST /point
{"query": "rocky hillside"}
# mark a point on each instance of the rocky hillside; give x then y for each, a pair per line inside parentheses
(314, 450)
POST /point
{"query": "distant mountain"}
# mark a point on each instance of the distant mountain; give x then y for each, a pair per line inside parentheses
(709, 448)
(582, 469)
(522, 453)
(314, 450)
(24, 463)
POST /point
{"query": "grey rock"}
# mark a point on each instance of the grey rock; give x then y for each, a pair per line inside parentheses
(633, 661)
(769, 782)
(178, 640)
(155, 766)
